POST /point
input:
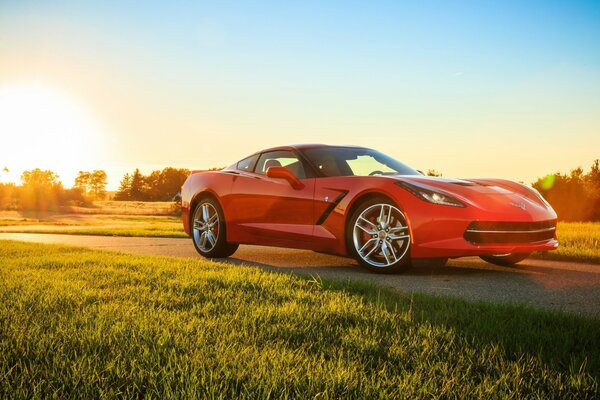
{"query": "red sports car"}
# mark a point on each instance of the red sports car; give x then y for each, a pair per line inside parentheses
(358, 202)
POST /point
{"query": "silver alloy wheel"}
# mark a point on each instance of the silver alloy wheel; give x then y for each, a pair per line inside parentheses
(206, 227)
(381, 236)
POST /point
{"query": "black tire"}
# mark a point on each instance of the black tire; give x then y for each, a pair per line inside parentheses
(403, 263)
(220, 248)
(505, 260)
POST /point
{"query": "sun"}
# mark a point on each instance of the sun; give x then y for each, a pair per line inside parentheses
(45, 127)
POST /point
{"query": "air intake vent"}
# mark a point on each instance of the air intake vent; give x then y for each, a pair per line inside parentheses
(510, 232)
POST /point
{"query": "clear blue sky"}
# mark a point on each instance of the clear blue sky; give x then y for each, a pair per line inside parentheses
(507, 89)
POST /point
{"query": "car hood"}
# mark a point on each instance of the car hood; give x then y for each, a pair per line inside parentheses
(490, 194)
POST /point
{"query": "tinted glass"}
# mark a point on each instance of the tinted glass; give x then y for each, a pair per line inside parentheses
(247, 164)
(348, 161)
(280, 158)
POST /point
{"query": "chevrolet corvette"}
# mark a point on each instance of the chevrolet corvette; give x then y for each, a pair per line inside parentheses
(360, 203)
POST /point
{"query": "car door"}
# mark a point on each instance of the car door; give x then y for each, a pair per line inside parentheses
(270, 211)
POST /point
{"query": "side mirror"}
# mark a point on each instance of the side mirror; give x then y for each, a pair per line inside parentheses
(284, 173)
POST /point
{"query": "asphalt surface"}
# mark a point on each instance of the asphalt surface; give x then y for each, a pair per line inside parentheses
(567, 286)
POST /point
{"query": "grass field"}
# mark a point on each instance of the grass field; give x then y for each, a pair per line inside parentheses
(578, 241)
(83, 323)
(96, 224)
(115, 207)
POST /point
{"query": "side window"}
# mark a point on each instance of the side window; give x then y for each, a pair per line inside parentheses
(281, 158)
(247, 164)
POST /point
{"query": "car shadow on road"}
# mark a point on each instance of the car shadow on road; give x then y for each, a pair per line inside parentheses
(349, 267)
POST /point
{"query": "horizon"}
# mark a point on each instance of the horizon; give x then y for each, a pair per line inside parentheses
(113, 185)
(506, 90)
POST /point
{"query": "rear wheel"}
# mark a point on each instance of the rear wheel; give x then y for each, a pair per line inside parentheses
(505, 259)
(208, 230)
(378, 237)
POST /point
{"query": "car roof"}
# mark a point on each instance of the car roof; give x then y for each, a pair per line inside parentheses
(306, 146)
(292, 147)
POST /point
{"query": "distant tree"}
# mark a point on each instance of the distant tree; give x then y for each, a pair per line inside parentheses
(592, 179)
(37, 177)
(124, 192)
(433, 172)
(82, 181)
(8, 195)
(592, 184)
(91, 183)
(156, 186)
(153, 186)
(98, 184)
(171, 181)
(136, 190)
(41, 191)
(574, 197)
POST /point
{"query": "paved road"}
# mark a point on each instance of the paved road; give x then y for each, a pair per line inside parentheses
(567, 286)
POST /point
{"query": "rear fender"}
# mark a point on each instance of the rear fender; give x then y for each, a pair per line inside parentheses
(216, 184)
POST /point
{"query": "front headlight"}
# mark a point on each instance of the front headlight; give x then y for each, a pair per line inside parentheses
(431, 196)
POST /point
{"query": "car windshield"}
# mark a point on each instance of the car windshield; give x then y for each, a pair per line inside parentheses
(349, 161)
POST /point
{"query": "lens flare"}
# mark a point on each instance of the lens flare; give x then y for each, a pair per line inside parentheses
(548, 182)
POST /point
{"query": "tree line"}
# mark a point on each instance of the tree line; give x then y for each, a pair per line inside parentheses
(42, 190)
(157, 186)
(575, 196)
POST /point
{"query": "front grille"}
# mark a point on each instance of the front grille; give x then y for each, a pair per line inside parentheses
(510, 232)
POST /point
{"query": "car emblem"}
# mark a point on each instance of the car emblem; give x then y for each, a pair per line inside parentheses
(519, 205)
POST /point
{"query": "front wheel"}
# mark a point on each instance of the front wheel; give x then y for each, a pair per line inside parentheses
(378, 237)
(505, 260)
(208, 230)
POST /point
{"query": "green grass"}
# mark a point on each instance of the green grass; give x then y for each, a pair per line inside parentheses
(142, 218)
(80, 323)
(31, 222)
(579, 241)
(99, 231)
(100, 225)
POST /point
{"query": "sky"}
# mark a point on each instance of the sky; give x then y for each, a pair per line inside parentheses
(506, 89)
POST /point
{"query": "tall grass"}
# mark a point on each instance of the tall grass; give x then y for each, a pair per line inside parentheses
(578, 241)
(89, 324)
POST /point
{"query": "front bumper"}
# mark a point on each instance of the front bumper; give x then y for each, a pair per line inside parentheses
(460, 238)
(459, 247)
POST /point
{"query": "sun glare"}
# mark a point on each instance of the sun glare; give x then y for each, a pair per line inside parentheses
(43, 127)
